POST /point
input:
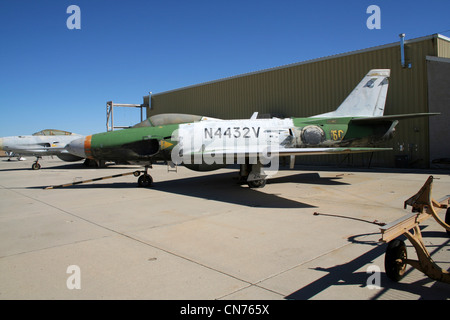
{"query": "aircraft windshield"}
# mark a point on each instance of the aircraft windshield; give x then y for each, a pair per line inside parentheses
(52, 132)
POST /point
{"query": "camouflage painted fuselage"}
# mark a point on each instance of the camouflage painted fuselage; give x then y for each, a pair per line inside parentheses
(148, 144)
(144, 144)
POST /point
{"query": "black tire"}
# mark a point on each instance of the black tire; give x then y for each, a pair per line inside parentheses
(35, 166)
(395, 251)
(145, 180)
(257, 183)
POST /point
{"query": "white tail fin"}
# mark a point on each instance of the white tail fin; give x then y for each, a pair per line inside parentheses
(367, 99)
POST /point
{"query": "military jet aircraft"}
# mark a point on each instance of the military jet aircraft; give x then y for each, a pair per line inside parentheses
(202, 144)
(47, 142)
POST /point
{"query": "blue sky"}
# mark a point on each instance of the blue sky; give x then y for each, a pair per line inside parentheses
(53, 77)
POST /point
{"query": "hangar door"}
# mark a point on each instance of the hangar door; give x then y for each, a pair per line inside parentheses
(438, 72)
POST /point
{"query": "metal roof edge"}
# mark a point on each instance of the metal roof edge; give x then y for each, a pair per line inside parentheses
(440, 36)
(339, 55)
(437, 59)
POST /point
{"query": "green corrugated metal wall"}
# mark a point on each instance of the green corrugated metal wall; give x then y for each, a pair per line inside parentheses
(318, 86)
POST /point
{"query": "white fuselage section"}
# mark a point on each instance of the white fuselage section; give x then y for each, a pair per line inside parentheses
(216, 141)
(250, 135)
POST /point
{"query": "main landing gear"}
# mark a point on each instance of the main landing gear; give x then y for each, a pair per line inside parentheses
(251, 173)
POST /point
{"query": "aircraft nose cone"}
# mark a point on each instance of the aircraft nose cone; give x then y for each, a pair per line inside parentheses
(1, 144)
(76, 147)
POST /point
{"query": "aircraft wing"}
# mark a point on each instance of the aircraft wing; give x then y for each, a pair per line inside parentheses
(281, 152)
(264, 154)
(375, 120)
(318, 151)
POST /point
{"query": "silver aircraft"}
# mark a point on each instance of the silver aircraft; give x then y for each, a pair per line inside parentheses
(47, 142)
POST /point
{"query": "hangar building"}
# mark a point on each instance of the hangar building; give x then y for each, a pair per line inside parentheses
(420, 82)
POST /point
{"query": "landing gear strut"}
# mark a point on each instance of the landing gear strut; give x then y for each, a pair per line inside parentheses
(36, 165)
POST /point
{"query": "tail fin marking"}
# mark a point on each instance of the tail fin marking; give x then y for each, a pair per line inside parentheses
(367, 99)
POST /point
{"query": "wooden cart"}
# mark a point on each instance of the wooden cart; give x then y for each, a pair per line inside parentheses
(423, 207)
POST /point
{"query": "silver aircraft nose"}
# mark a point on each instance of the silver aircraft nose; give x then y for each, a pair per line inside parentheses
(76, 147)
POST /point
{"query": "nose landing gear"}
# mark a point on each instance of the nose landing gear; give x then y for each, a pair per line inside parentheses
(145, 180)
(36, 165)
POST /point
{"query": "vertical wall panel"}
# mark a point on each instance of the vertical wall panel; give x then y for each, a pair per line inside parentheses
(443, 48)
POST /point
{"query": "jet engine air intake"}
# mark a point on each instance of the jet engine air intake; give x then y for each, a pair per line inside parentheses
(312, 135)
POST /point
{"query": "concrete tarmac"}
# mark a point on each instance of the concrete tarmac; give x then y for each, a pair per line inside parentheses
(202, 236)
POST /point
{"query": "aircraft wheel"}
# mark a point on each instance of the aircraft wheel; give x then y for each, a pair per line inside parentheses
(35, 166)
(145, 180)
(394, 260)
(447, 219)
(257, 183)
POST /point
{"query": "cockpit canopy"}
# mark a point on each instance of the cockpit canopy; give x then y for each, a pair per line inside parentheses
(52, 132)
(168, 118)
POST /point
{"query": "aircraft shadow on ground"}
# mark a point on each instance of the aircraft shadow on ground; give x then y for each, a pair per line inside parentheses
(346, 274)
(308, 178)
(223, 187)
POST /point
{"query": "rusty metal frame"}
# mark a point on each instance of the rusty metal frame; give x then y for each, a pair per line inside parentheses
(423, 207)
